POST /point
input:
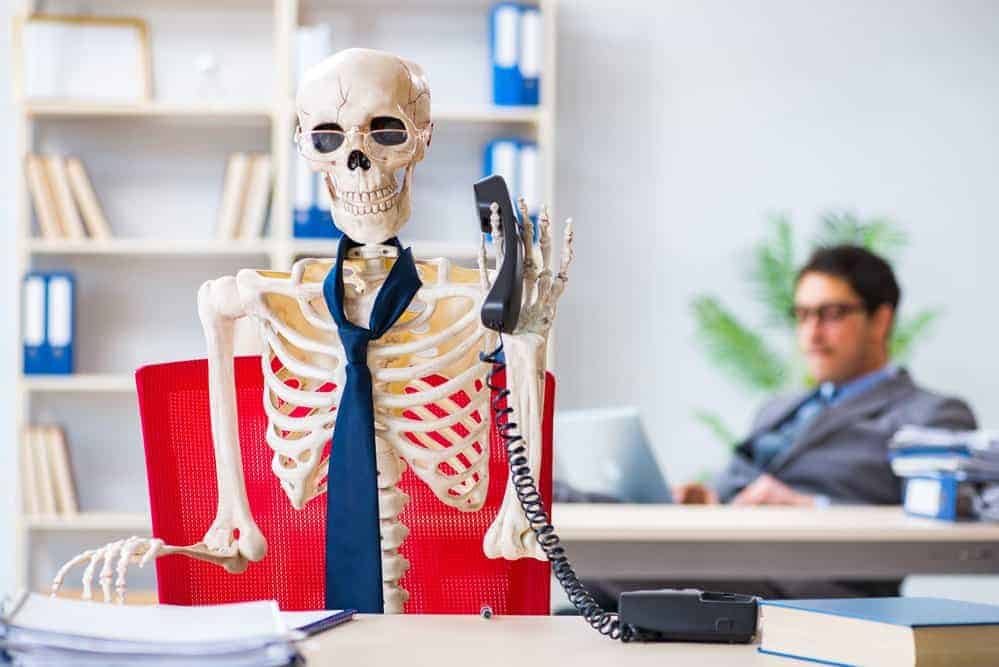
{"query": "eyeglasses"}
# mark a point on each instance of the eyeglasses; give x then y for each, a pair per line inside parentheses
(381, 145)
(827, 312)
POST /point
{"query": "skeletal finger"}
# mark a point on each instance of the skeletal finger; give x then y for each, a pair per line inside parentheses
(568, 254)
(127, 552)
(558, 286)
(530, 252)
(494, 223)
(155, 544)
(61, 574)
(105, 578)
(88, 573)
(483, 269)
(545, 242)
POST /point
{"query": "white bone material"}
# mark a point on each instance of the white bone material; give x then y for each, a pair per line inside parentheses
(432, 408)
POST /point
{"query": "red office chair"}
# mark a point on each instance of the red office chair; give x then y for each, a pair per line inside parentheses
(449, 574)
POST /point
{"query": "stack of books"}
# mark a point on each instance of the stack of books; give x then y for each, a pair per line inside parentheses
(945, 471)
(47, 487)
(38, 630)
(246, 196)
(66, 206)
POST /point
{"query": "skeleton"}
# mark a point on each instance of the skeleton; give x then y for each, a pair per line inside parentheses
(429, 357)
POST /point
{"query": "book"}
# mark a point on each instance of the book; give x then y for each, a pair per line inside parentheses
(233, 195)
(60, 315)
(61, 631)
(36, 355)
(86, 198)
(882, 631)
(43, 472)
(30, 501)
(531, 54)
(42, 198)
(62, 476)
(504, 53)
(69, 216)
(258, 197)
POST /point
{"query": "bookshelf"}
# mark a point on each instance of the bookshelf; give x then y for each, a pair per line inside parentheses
(158, 171)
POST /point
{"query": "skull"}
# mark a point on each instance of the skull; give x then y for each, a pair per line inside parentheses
(364, 117)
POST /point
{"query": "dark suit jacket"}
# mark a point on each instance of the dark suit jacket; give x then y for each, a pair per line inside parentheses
(843, 453)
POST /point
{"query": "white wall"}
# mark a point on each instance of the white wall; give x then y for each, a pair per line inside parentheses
(680, 131)
(681, 125)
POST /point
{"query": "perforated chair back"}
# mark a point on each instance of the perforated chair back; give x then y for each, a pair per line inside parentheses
(449, 574)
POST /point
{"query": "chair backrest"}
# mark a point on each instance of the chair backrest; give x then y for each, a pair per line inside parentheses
(449, 574)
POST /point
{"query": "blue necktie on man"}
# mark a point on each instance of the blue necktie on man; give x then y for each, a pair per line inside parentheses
(768, 445)
(353, 536)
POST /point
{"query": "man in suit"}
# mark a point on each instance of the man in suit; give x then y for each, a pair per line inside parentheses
(830, 444)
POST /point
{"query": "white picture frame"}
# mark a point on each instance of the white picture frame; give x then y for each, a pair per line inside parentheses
(82, 58)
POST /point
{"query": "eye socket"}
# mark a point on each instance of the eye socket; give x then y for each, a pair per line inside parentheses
(388, 131)
(326, 137)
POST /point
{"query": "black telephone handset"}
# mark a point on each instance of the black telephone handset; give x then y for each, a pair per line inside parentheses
(501, 309)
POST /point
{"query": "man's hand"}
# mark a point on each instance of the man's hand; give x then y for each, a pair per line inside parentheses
(768, 490)
(694, 493)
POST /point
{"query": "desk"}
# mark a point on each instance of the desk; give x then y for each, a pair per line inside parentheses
(703, 542)
(503, 641)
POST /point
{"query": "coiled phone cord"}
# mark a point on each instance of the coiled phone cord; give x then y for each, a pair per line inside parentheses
(605, 622)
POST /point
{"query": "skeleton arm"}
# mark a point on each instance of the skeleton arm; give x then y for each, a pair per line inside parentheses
(219, 306)
(510, 536)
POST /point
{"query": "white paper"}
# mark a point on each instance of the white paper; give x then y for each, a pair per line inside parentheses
(154, 623)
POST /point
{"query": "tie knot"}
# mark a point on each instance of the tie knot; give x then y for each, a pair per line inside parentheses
(355, 344)
(827, 392)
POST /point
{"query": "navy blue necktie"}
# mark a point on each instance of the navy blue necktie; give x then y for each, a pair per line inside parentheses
(353, 537)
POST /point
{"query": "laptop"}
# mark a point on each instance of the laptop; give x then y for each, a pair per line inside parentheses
(605, 452)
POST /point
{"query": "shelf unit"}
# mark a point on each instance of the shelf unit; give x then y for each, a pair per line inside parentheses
(279, 249)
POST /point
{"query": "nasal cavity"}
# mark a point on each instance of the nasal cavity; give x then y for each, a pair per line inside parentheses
(358, 159)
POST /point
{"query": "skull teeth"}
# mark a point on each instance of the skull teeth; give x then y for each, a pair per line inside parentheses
(367, 209)
(369, 196)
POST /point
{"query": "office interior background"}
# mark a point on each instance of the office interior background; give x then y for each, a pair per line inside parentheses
(682, 127)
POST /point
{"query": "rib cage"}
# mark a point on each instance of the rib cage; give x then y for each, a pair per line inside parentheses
(429, 395)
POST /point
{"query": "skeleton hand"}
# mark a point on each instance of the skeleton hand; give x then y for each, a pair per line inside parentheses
(542, 288)
(115, 558)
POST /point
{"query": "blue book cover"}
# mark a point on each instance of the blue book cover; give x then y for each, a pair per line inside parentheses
(531, 54)
(504, 52)
(60, 321)
(33, 323)
(910, 612)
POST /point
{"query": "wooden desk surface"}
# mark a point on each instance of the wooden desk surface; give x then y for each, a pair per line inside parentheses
(503, 641)
(684, 523)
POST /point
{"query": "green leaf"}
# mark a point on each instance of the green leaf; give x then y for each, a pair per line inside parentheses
(908, 331)
(735, 349)
(879, 235)
(714, 423)
(774, 271)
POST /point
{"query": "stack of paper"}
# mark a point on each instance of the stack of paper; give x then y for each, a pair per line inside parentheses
(918, 450)
(38, 630)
